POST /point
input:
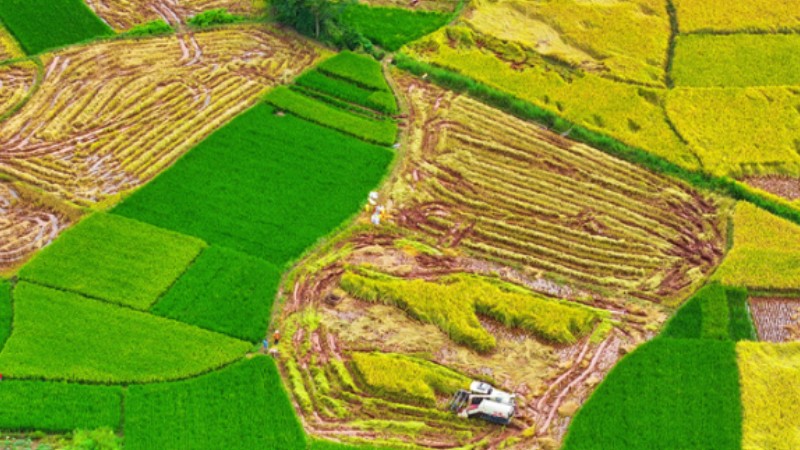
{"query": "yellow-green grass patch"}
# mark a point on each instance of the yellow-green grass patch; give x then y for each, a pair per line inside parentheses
(406, 378)
(9, 48)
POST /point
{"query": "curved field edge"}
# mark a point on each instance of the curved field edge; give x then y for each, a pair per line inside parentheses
(136, 105)
(364, 177)
(629, 409)
(688, 374)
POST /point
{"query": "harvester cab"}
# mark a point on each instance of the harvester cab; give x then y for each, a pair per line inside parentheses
(482, 401)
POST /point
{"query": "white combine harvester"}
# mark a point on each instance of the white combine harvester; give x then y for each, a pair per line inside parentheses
(482, 401)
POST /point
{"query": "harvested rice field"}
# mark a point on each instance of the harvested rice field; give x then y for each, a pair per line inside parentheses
(108, 117)
(125, 14)
(399, 225)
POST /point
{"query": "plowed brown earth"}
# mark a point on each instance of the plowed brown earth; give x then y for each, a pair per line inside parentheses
(124, 14)
(110, 116)
(776, 319)
(786, 187)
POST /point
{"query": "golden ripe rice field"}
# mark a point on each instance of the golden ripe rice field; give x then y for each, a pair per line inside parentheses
(626, 40)
(726, 16)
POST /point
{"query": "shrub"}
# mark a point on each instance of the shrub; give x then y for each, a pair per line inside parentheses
(224, 291)
(115, 259)
(241, 407)
(154, 28)
(100, 439)
(63, 336)
(219, 16)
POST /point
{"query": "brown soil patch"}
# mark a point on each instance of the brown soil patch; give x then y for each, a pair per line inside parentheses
(27, 224)
(783, 186)
(776, 319)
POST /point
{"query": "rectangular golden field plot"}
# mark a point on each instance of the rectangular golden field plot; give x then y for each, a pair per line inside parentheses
(740, 131)
(770, 375)
(124, 14)
(740, 15)
(110, 116)
(766, 251)
(703, 60)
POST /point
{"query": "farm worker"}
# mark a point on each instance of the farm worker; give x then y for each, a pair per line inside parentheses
(276, 336)
(377, 215)
(265, 343)
(273, 352)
